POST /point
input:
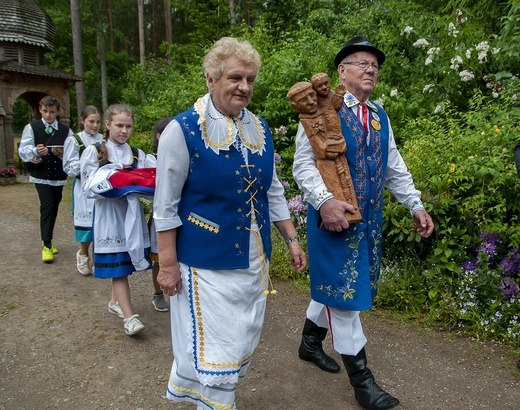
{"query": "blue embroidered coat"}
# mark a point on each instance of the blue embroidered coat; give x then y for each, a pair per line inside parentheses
(344, 266)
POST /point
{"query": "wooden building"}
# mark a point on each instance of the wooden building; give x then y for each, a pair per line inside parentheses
(26, 33)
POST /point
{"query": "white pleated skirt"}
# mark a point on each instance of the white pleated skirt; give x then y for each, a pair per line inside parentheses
(216, 323)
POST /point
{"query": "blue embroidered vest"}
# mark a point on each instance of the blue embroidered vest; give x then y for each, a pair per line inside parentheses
(215, 206)
(344, 266)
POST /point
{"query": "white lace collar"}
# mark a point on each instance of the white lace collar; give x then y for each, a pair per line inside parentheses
(219, 131)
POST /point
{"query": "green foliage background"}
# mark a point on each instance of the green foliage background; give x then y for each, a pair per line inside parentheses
(450, 86)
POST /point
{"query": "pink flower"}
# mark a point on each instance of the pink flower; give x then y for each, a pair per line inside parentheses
(8, 172)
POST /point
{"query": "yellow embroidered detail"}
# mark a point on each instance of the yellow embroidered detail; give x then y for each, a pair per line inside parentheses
(219, 131)
(259, 131)
(224, 143)
(264, 267)
(200, 327)
(213, 403)
(203, 223)
(229, 125)
(249, 183)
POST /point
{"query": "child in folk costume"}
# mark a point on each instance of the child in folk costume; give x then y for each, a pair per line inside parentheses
(121, 239)
(41, 147)
(82, 206)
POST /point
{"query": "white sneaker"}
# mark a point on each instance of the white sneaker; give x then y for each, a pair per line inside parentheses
(132, 325)
(201, 408)
(82, 264)
(116, 310)
(91, 265)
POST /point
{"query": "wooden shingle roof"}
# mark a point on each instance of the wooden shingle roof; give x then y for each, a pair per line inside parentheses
(24, 21)
(42, 70)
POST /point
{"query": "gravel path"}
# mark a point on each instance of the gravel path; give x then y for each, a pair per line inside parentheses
(61, 349)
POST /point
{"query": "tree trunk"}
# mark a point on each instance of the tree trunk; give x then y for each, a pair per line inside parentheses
(103, 68)
(155, 40)
(110, 25)
(168, 21)
(77, 48)
(140, 12)
(232, 16)
(247, 13)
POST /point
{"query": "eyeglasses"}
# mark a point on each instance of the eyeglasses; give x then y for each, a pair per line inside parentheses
(363, 65)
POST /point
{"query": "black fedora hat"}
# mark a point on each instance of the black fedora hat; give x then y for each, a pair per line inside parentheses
(358, 43)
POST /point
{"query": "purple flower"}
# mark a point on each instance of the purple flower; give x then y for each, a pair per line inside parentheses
(509, 288)
(285, 184)
(277, 158)
(511, 264)
(295, 204)
(489, 243)
(469, 265)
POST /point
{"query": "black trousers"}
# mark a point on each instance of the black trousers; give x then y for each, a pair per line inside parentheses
(50, 198)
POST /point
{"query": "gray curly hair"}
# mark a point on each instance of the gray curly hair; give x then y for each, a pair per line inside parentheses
(225, 48)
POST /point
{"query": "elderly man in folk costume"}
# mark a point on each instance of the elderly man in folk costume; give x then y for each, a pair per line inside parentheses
(345, 258)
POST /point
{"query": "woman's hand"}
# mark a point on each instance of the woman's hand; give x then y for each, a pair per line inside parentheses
(298, 258)
(169, 279)
(288, 231)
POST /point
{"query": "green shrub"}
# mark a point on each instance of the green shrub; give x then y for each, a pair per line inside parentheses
(142, 141)
(450, 86)
(280, 267)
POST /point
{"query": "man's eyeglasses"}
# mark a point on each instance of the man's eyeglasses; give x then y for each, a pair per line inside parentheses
(363, 65)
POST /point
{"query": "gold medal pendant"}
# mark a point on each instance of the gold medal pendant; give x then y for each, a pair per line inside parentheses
(375, 124)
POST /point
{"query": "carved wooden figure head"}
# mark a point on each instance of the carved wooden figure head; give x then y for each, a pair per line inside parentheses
(303, 98)
(321, 83)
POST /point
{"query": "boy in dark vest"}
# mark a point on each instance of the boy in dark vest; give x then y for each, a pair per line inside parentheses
(41, 146)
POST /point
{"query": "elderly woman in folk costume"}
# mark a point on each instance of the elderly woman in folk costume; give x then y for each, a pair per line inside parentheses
(217, 193)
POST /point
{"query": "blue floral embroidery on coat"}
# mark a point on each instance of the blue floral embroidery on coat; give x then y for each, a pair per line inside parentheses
(349, 272)
(375, 265)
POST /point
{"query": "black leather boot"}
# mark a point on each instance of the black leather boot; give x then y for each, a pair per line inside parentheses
(368, 394)
(311, 348)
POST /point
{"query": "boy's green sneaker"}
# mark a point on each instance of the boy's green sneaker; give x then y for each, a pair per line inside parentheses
(47, 255)
(53, 248)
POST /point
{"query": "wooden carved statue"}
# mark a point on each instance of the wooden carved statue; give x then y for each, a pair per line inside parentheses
(318, 106)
